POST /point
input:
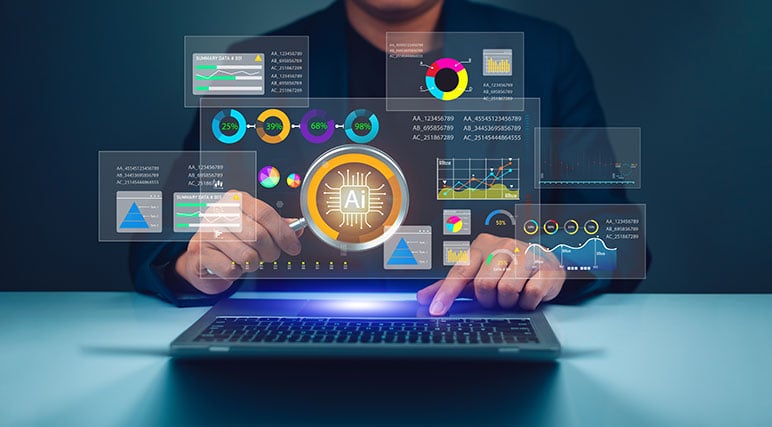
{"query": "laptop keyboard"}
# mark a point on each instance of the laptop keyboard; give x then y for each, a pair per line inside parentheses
(250, 329)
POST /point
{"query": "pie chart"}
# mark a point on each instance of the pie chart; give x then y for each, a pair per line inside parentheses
(269, 177)
(454, 224)
(293, 180)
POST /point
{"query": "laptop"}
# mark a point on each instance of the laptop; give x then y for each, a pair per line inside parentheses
(276, 325)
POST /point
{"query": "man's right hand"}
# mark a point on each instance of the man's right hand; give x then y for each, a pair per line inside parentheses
(213, 261)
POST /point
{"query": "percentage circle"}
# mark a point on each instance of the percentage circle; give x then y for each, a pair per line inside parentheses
(260, 126)
(550, 226)
(372, 121)
(531, 227)
(241, 126)
(591, 227)
(320, 116)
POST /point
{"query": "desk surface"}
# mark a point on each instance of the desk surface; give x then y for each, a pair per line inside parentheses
(100, 359)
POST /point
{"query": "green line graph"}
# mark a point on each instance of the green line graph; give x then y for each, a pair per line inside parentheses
(209, 211)
(237, 74)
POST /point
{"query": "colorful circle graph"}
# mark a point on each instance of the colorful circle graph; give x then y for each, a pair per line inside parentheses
(446, 79)
(269, 177)
(294, 180)
(315, 121)
(370, 126)
(283, 126)
(454, 224)
(229, 126)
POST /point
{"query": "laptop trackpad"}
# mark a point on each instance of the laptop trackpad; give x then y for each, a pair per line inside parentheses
(375, 308)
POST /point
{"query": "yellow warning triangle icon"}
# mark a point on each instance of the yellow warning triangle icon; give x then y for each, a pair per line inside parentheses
(259, 58)
(236, 197)
(517, 250)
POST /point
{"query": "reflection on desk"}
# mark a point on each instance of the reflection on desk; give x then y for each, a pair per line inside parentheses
(101, 359)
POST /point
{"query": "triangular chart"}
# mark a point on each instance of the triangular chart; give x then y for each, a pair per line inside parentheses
(134, 218)
(402, 255)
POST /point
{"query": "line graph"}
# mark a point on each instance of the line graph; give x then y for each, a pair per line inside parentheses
(230, 75)
(591, 255)
(226, 73)
(209, 211)
(478, 179)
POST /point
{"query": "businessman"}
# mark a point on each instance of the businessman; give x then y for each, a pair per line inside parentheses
(347, 40)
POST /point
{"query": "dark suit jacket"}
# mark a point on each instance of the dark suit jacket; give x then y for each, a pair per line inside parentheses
(554, 72)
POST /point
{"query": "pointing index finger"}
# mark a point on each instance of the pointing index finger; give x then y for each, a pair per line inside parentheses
(454, 283)
(276, 226)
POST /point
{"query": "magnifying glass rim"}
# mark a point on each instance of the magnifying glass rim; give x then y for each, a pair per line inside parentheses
(359, 149)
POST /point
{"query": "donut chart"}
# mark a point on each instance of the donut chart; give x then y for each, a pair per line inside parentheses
(446, 79)
(283, 126)
(571, 227)
(370, 126)
(531, 227)
(229, 126)
(591, 226)
(550, 227)
(314, 121)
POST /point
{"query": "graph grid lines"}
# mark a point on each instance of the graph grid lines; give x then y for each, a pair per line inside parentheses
(478, 179)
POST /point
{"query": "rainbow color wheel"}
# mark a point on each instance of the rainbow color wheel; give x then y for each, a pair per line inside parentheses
(294, 180)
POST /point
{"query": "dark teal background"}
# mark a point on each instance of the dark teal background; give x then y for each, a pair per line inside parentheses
(79, 77)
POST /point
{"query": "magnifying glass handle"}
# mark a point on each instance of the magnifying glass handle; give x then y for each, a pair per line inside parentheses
(298, 224)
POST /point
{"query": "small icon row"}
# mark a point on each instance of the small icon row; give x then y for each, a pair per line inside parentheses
(301, 265)
(551, 227)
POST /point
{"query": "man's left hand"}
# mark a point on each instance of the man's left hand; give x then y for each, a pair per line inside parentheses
(505, 280)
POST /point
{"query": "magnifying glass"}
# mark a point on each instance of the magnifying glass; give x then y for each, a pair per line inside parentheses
(354, 198)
